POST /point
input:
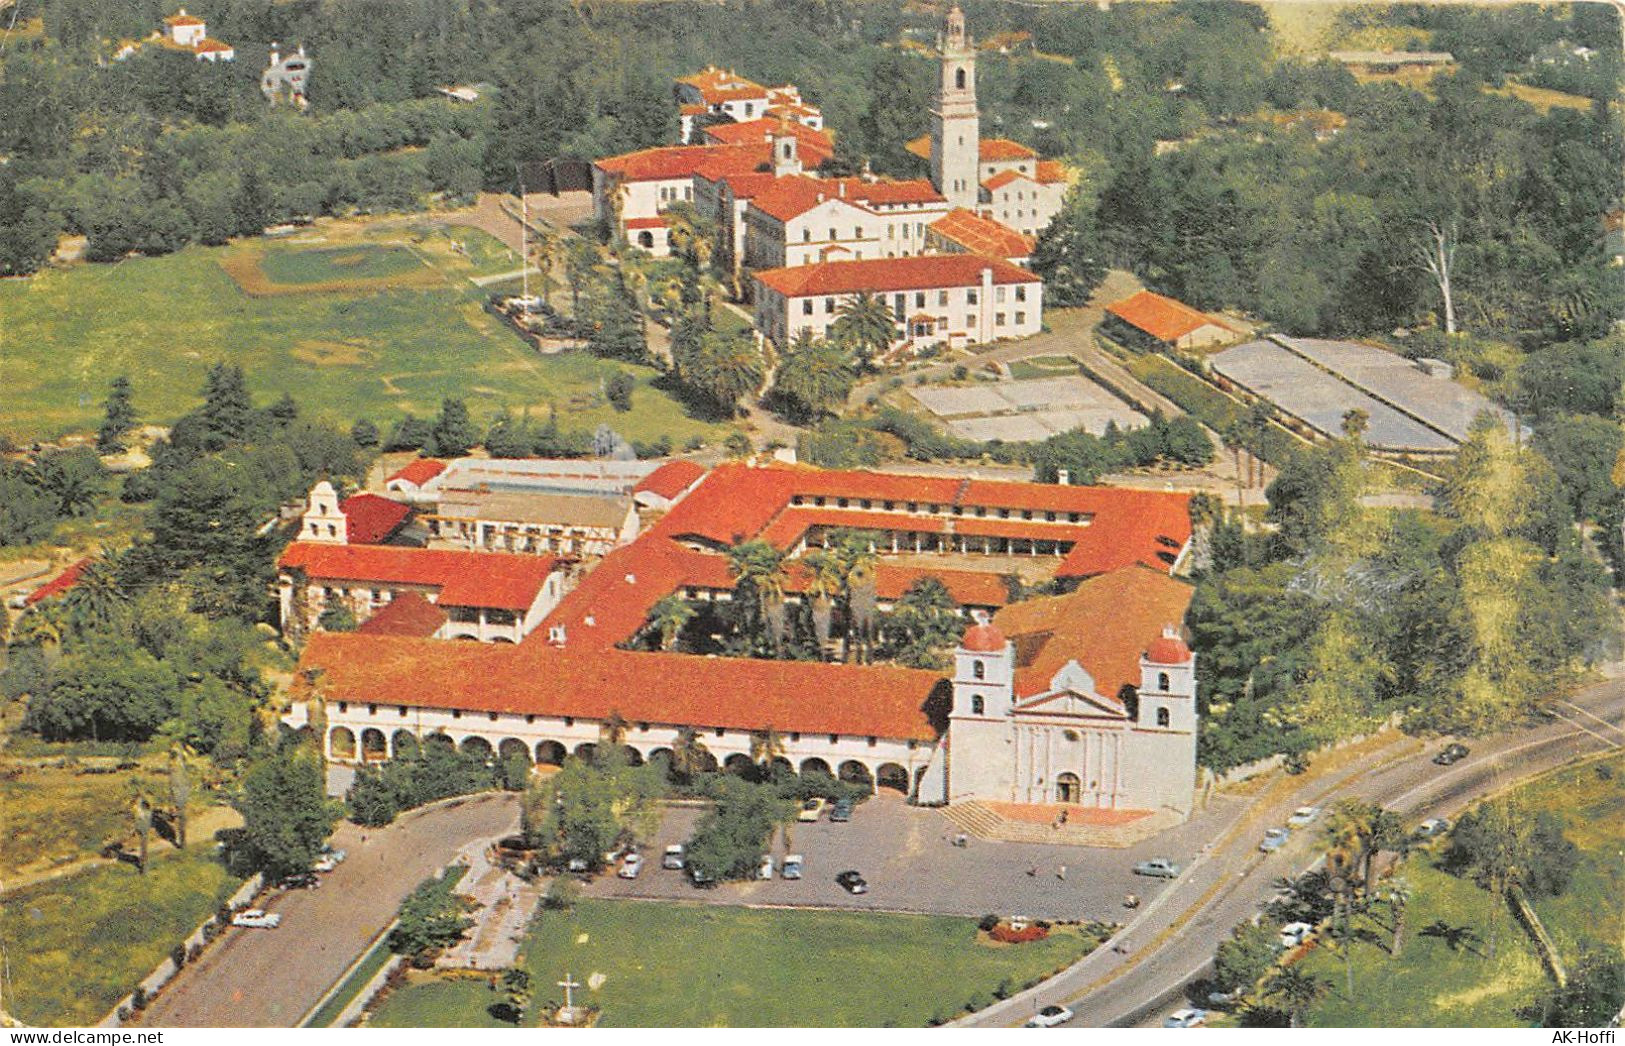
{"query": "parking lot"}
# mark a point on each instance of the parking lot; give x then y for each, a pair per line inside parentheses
(908, 858)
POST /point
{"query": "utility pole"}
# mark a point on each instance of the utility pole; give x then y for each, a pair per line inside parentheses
(524, 247)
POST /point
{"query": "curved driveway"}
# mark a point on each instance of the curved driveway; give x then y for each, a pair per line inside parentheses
(271, 978)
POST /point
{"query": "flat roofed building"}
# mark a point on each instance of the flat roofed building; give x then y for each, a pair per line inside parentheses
(532, 521)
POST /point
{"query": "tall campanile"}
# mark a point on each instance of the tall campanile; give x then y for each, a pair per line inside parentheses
(955, 124)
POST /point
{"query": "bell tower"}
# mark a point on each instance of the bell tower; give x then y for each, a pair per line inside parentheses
(955, 123)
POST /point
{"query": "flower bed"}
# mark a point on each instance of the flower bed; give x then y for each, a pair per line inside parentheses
(1005, 935)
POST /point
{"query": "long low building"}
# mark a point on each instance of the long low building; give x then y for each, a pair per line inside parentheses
(944, 299)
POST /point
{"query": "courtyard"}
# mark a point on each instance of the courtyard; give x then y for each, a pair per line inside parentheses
(1027, 409)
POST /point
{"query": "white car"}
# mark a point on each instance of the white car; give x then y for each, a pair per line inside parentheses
(1294, 934)
(329, 859)
(673, 858)
(1274, 839)
(257, 918)
(1303, 816)
(1050, 1017)
(631, 866)
(1189, 1017)
(791, 869)
(764, 870)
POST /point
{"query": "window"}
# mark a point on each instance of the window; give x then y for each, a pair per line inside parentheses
(978, 669)
(530, 719)
(1021, 292)
(373, 709)
(977, 705)
(834, 235)
(569, 720)
(942, 298)
(919, 299)
(795, 735)
(344, 706)
(959, 82)
(750, 108)
(402, 709)
(1162, 717)
(719, 731)
(806, 235)
(857, 232)
(998, 319)
(457, 713)
(1162, 681)
(1021, 318)
(998, 294)
(491, 716)
(970, 296)
(806, 307)
(834, 739)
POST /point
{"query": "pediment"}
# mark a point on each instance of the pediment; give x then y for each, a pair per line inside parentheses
(1072, 693)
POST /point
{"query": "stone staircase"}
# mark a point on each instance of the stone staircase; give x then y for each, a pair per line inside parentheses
(975, 818)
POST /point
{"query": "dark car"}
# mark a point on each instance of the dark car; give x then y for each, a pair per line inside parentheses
(301, 881)
(851, 882)
(1453, 753)
(841, 811)
(700, 877)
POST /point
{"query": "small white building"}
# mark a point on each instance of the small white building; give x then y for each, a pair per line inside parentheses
(631, 191)
(952, 299)
(285, 77)
(185, 30)
(360, 519)
(539, 522)
(715, 93)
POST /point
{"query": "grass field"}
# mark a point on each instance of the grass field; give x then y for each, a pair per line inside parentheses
(78, 945)
(701, 966)
(1043, 367)
(51, 816)
(265, 268)
(1436, 985)
(377, 353)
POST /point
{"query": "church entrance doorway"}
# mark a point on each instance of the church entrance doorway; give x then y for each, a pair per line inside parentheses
(1068, 789)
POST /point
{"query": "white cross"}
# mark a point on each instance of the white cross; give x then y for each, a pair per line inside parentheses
(568, 985)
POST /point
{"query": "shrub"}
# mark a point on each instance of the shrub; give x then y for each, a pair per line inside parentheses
(987, 923)
(177, 955)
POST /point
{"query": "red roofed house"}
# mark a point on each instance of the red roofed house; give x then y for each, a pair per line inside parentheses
(1168, 322)
(361, 519)
(492, 597)
(638, 186)
(190, 33)
(409, 480)
(953, 299)
(966, 232)
(720, 93)
(666, 485)
(59, 584)
(798, 221)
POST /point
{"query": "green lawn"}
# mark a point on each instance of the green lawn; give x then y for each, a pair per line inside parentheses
(370, 964)
(164, 321)
(696, 966)
(362, 261)
(78, 945)
(1435, 985)
(1043, 367)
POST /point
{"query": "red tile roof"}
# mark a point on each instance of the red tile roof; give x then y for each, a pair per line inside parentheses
(813, 146)
(207, 44)
(979, 235)
(498, 580)
(59, 584)
(656, 222)
(1051, 171)
(791, 197)
(993, 150)
(668, 163)
(669, 689)
(670, 479)
(743, 186)
(1163, 318)
(1104, 625)
(183, 19)
(1003, 178)
(720, 85)
(418, 472)
(370, 519)
(880, 275)
(408, 614)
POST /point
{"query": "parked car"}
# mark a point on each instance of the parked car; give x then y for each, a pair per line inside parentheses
(673, 858)
(1432, 828)
(851, 882)
(1158, 868)
(329, 859)
(701, 878)
(1050, 1017)
(257, 918)
(1189, 1017)
(578, 866)
(791, 868)
(764, 867)
(1294, 934)
(841, 811)
(1217, 998)
(811, 809)
(1303, 816)
(301, 881)
(1453, 753)
(631, 866)
(1274, 839)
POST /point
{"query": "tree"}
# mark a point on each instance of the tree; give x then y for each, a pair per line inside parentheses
(228, 410)
(1244, 957)
(670, 615)
(430, 919)
(1437, 256)
(689, 757)
(727, 368)
(453, 432)
(365, 434)
(588, 808)
(814, 378)
(760, 574)
(286, 816)
(1069, 254)
(923, 625)
(97, 599)
(866, 326)
(180, 791)
(1296, 990)
(618, 390)
(1593, 996)
(1398, 897)
(337, 617)
(766, 745)
(580, 258)
(118, 418)
(141, 817)
(730, 839)
(618, 331)
(517, 993)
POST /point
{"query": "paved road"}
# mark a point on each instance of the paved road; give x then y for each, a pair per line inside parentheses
(270, 978)
(1230, 884)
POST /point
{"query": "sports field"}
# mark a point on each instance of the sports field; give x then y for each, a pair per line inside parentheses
(359, 321)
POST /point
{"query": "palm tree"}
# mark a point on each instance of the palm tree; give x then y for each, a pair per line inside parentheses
(760, 575)
(180, 790)
(855, 551)
(727, 368)
(613, 730)
(670, 616)
(766, 745)
(141, 814)
(1257, 427)
(814, 378)
(825, 588)
(1296, 991)
(1399, 896)
(95, 600)
(43, 625)
(866, 325)
(688, 754)
(580, 258)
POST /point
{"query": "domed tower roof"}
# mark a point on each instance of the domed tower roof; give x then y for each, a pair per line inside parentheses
(1168, 648)
(983, 638)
